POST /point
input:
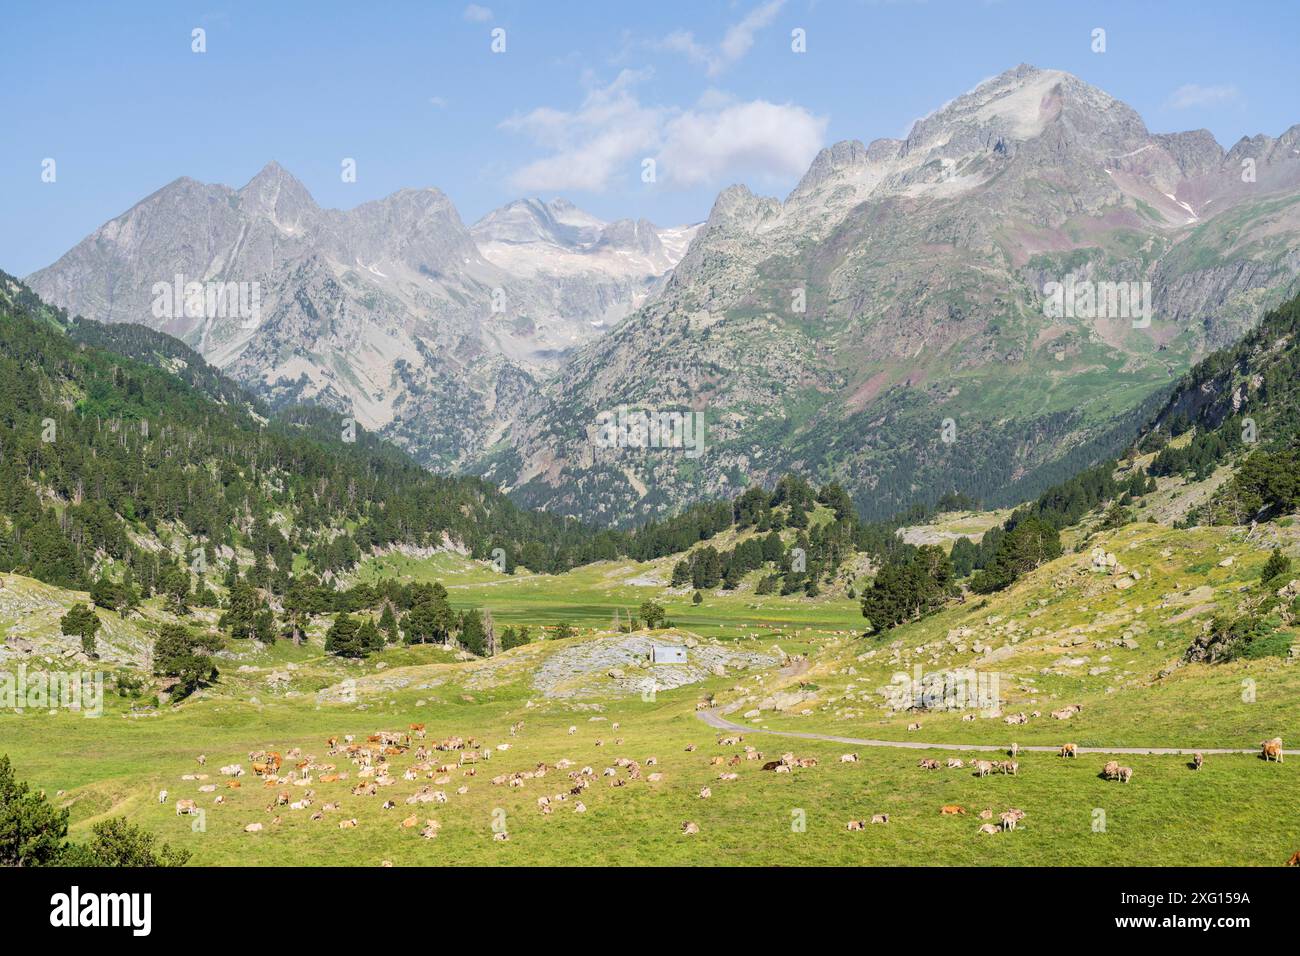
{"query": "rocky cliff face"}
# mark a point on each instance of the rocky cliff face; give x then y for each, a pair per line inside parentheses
(885, 324)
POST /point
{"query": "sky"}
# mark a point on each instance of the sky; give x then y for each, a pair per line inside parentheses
(574, 101)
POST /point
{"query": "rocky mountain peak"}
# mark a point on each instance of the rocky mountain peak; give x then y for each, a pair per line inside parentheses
(276, 193)
(558, 222)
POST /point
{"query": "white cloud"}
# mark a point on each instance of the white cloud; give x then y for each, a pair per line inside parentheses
(476, 14)
(717, 141)
(1193, 94)
(439, 101)
(736, 42)
(763, 139)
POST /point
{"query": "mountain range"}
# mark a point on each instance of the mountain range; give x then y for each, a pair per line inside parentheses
(394, 312)
(888, 325)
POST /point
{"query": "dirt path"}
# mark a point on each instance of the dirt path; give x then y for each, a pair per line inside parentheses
(715, 719)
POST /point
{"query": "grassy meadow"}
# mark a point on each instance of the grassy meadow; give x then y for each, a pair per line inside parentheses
(1061, 625)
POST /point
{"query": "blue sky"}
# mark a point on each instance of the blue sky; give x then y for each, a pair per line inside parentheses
(582, 94)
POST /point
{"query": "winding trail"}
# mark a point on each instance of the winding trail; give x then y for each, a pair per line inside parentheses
(714, 719)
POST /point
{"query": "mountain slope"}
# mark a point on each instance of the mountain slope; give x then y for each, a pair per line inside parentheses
(388, 312)
(106, 460)
(901, 284)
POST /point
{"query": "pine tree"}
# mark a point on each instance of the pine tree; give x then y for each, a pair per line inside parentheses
(343, 638)
(1277, 565)
(297, 608)
(181, 653)
(489, 634)
(370, 637)
(239, 617)
(104, 593)
(388, 623)
(472, 635)
(81, 621)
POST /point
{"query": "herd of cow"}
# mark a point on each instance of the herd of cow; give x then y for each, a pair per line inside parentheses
(371, 771)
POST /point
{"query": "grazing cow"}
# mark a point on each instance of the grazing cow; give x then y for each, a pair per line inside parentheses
(348, 824)
(1010, 766)
(988, 828)
(1272, 749)
(951, 809)
(1125, 774)
(880, 818)
(1009, 821)
(705, 793)
(501, 836)
(1111, 770)
(690, 748)
(848, 758)
(1069, 750)
(1198, 761)
(186, 807)
(690, 828)
(1015, 750)
(857, 825)
(913, 726)
(982, 768)
(162, 796)
(202, 759)
(579, 807)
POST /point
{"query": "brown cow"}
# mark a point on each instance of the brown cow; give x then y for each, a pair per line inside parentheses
(951, 809)
(1272, 749)
(1070, 750)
